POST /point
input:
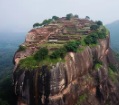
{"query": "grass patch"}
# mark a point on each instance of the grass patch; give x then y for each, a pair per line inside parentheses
(43, 57)
(83, 40)
(52, 45)
(28, 63)
(49, 62)
(93, 45)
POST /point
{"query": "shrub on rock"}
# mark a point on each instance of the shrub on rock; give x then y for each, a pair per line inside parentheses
(41, 54)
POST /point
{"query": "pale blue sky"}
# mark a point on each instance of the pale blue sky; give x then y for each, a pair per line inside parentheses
(20, 15)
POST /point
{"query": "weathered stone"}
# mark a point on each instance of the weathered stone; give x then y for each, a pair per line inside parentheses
(73, 82)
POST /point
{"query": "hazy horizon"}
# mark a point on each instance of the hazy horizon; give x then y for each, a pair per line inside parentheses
(19, 16)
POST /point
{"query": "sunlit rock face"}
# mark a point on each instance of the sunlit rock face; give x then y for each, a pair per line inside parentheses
(78, 80)
(72, 82)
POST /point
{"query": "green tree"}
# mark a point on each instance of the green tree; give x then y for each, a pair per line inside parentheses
(91, 39)
(87, 17)
(88, 40)
(46, 21)
(59, 53)
(62, 52)
(72, 46)
(36, 25)
(55, 18)
(101, 35)
(41, 54)
(69, 16)
(55, 54)
(29, 63)
(94, 27)
(99, 23)
(104, 30)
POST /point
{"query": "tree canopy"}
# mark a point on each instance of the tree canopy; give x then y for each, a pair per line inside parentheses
(41, 54)
(87, 17)
(61, 52)
(36, 25)
(69, 16)
(91, 39)
(72, 46)
(55, 18)
(99, 23)
(46, 21)
(94, 27)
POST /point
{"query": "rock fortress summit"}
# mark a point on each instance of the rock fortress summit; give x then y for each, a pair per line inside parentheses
(66, 61)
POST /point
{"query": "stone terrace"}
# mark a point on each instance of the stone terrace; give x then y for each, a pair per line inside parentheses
(58, 32)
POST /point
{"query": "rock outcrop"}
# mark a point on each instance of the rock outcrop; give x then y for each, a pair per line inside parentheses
(79, 80)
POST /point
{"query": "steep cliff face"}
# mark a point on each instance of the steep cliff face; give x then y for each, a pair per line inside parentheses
(84, 78)
(73, 81)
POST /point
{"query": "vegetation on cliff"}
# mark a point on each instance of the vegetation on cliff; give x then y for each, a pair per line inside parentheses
(6, 97)
(68, 58)
(42, 56)
(22, 48)
(68, 37)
